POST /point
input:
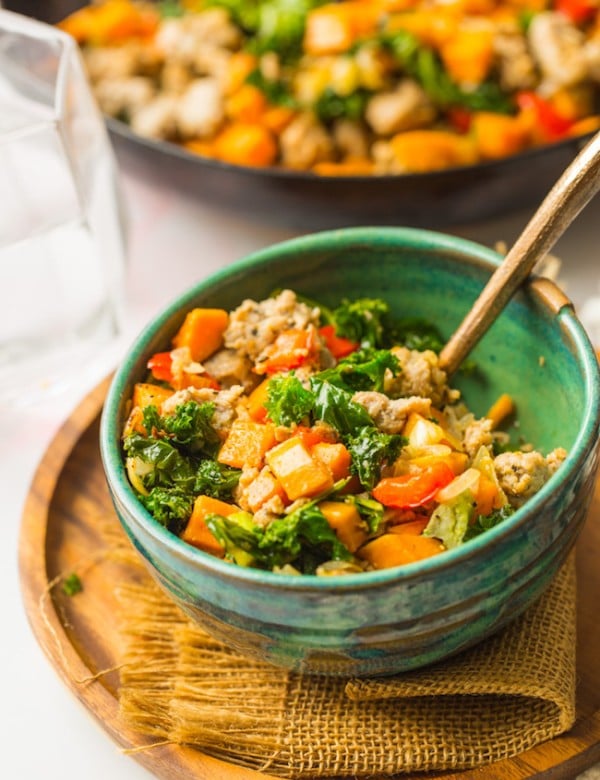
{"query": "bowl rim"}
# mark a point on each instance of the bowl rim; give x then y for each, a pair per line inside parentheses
(477, 254)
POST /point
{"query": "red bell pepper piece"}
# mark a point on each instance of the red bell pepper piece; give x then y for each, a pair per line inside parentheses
(578, 11)
(408, 491)
(160, 364)
(553, 124)
(460, 118)
(338, 345)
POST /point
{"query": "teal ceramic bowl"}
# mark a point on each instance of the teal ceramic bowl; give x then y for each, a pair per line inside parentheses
(392, 620)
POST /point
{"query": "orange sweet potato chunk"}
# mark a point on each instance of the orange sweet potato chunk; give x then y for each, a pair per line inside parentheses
(398, 549)
(198, 533)
(202, 331)
(246, 444)
(298, 472)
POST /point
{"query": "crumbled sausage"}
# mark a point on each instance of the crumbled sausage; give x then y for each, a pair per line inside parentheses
(305, 142)
(254, 326)
(200, 110)
(557, 47)
(179, 38)
(477, 434)
(405, 108)
(420, 375)
(515, 64)
(124, 97)
(157, 118)
(229, 368)
(389, 414)
(350, 138)
(227, 407)
(521, 474)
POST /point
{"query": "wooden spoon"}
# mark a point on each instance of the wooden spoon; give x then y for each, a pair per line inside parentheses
(575, 188)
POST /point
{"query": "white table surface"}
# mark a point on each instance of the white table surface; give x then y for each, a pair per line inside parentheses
(175, 240)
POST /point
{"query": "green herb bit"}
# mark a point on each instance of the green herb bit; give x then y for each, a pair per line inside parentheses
(72, 585)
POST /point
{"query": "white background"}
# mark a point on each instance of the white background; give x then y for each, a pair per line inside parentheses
(174, 241)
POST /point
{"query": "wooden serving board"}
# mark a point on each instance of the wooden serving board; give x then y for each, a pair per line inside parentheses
(60, 533)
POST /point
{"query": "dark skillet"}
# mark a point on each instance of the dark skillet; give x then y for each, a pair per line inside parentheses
(302, 200)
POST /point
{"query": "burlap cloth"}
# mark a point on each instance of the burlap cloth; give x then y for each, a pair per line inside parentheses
(506, 695)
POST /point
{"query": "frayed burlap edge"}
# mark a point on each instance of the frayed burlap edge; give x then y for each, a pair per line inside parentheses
(489, 703)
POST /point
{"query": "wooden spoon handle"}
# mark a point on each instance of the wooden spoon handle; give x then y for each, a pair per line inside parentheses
(575, 188)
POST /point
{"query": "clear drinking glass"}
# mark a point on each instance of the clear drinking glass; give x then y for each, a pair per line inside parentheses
(62, 247)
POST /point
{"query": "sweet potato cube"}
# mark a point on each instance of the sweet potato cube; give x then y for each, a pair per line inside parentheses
(335, 456)
(347, 523)
(398, 549)
(202, 331)
(263, 489)
(298, 472)
(145, 394)
(333, 28)
(246, 444)
(256, 401)
(198, 533)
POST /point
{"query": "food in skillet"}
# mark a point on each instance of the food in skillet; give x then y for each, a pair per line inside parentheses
(294, 438)
(347, 88)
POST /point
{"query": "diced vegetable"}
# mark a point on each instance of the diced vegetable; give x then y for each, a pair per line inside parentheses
(543, 117)
(334, 27)
(246, 444)
(419, 151)
(337, 345)
(202, 331)
(299, 473)
(145, 394)
(498, 135)
(346, 521)
(292, 348)
(449, 522)
(468, 480)
(256, 401)
(502, 408)
(160, 364)
(468, 55)
(399, 549)
(246, 143)
(198, 533)
(335, 456)
(413, 490)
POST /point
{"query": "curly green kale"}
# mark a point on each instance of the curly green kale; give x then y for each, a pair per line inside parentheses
(288, 401)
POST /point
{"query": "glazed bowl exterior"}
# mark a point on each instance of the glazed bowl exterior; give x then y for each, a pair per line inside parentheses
(392, 620)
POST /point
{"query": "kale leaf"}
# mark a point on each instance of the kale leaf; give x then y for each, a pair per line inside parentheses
(215, 479)
(330, 105)
(426, 67)
(276, 91)
(189, 427)
(361, 370)
(172, 507)
(303, 539)
(288, 401)
(485, 522)
(369, 509)
(365, 320)
(169, 467)
(335, 406)
(370, 449)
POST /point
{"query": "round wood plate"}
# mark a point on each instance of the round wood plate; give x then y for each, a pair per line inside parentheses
(60, 533)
